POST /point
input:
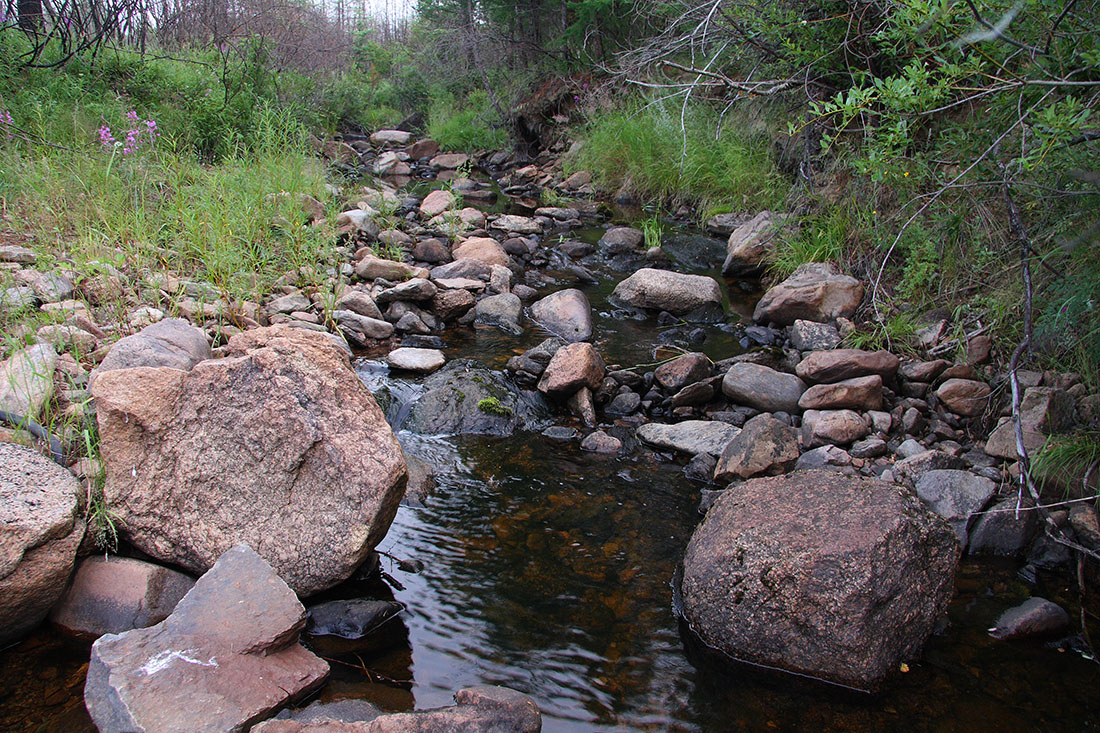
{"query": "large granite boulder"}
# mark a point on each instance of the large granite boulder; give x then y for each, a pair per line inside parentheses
(566, 313)
(815, 292)
(819, 574)
(225, 659)
(40, 531)
(109, 595)
(465, 398)
(666, 290)
(278, 445)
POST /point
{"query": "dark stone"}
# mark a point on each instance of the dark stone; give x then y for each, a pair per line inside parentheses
(819, 574)
(1034, 617)
(352, 619)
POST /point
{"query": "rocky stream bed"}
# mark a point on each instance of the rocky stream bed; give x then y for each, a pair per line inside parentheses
(539, 471)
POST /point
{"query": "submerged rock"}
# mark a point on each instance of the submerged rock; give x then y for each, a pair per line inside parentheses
(1034, 617)
(254, 447)
(352, 619)
(819, 574)
(465, 398)
(225, 659)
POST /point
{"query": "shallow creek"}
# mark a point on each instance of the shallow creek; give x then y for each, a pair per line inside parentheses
(539, 567)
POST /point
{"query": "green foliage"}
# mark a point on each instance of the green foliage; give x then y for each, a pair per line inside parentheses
(824, 237)
(468, 126)
(1070, 461)
(645, 149)
(493, 406)
(652, 231)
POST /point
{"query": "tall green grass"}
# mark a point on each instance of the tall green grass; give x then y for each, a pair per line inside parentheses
(642, 148)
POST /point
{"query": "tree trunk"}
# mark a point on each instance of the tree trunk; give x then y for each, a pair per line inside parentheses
(30, 14)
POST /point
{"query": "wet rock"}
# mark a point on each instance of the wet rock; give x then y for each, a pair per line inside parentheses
(765, 447)
(502, 311)
(965, 397)
(483, 249)
(230, 643)
(1034, 617)
(1043, 411)
(421, 361)
(40, 537)
(566, 313)
(560, 433)
(690, 436)
(955, 495)
(625, 403)
(691, 251)
(483, 708)
(26, 380)
(858, 393)
(621, 240)
(1000, 531)
(450, 404)
(763, 388)
(109, 595)
(815, 292)
(172, 343)
(701, 468)
(826, 367)
(683, 370)
(252, 447)
(582, 405)
(350, 619)
(751, 244)
(819, 574)
(572, 367)
(810, 336)
(601, 442)
(695, 394)
(436, 202)
(665, 290)
(831, 427)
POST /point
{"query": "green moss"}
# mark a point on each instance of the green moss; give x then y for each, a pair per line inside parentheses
(493, 406)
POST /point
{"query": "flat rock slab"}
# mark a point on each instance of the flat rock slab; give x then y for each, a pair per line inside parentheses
(690, 436)
(837, 365)
(224, 660)
(482, 708)
(39, 536)
(839, 578)
(423, 361)
(109, 595)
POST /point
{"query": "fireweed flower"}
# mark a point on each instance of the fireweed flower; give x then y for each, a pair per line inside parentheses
(6, 121)
(140, 132)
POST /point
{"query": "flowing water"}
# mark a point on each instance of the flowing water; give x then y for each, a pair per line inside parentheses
(548, 570)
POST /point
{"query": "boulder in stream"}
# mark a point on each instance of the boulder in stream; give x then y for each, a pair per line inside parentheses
(465, 398)
(278, 444)
(674, 292)
(838, 578)
(566, 313)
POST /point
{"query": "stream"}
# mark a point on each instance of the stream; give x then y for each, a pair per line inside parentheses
(542, 568)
